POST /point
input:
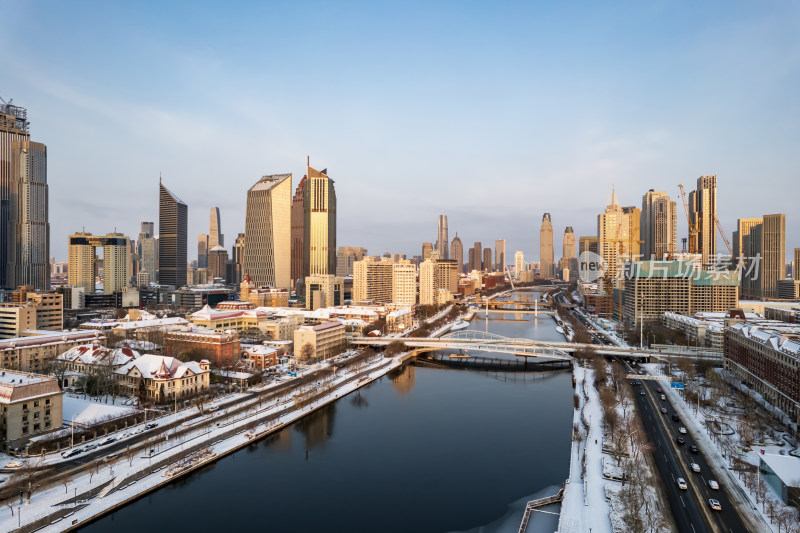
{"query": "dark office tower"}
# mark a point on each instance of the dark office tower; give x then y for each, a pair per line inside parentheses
(457, 253)
(703, 213)
(13, 128)
(319, 224)
(297, 232)
(477, 256)
(173, 219)
(441, 239)
(29, 229)
(487, 259)
(470, 259)
(238, 260)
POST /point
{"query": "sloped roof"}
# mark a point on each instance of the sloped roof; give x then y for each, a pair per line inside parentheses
(160, 367)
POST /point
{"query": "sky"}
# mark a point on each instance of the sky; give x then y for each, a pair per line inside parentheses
(489, 112)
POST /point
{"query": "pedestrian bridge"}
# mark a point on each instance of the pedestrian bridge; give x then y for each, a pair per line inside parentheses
(491, 342)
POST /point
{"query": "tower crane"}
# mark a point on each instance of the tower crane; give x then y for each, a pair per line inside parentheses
(724, 237)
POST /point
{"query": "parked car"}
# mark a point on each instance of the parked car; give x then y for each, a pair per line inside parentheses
(680, 440)
(106, 441)
(682, 430)
(682, 484)
(137, 431)
(110, 457)
(675, 418)
(13, 464)
(695, 467)
(71, 453)
(89, 447)
(715, 504)
(151, 425)
(713, 485)
(693, 448)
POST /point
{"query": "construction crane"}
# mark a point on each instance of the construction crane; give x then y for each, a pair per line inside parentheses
(724, 237)
(693, 231)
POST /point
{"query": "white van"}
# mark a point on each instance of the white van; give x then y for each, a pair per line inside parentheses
(713, 485)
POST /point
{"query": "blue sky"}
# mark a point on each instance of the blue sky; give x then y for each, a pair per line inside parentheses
(491, 113)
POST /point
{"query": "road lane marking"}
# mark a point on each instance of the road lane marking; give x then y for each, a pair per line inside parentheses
(683, 502)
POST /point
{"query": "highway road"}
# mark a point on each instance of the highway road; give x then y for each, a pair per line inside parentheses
(690, 508)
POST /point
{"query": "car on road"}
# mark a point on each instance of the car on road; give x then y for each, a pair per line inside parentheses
(682, 484)
(682, 430)
(71, 453)
(663, 398)
(680, 440)
(659, 391)
(693, 448)
(675, 418)
(663, 410)
(110, 457)
(13, 464)
(89, 447)
(695, 467)
(714, 504)
(642, 393)
(106, 441)
(151, 425)
(713, 485)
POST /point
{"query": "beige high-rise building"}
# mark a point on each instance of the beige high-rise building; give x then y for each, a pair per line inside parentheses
(618, 239)
(488, 265)
(346, 256)
(519, 263)
(116, 262)
(569, 243)
(441, 238)
(796, 264)
(659, 225)
(372, 280)
(267, 244)
(427, 250)
(500, 255)
(404, 282)
(438, 281)
(476, 258)
(319, 224)
(457, 253)
(297, 231)
(215, 236)
(703, 213)
(546, 252)
(588, 244)
(82, 269)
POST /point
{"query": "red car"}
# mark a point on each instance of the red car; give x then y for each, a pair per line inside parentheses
(660, 391)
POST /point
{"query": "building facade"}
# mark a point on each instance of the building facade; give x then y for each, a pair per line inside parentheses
(325, 340)
(267, 245)
(703, 214)
(31, 405)
(457, 253)
(546, 253)
(319, 224)
(346, 256)
(172, 238)
(442, 242)
(324, 291)
(82, 270)
(659, 225)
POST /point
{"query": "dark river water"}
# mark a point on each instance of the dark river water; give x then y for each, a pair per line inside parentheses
(421, 450)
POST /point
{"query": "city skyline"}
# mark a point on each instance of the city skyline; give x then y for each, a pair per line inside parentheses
(635, 124)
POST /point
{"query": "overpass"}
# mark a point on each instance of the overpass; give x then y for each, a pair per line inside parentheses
(490, 342)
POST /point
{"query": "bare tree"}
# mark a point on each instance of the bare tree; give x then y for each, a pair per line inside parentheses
(307, 351)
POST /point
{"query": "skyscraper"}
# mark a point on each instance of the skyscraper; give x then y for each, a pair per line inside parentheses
(703, 213)
(29, 228)
(427, 248)
(267, 242)
(238, 260)
(618, 237)
(218, 262)
(319, 224)
(457, 253)
(519, 263)
(173, 220)
(202, 250)
(658, 225)
(487, 260)
(477, 257)
(297, 232)
(14, 127)
(546, 252)
(569, 243)
(82, 270)
(346, 256)
(215, 236)
(763, 245)
(441, 240)
(500, 255)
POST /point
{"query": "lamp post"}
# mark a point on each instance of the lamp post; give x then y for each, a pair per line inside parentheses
(72, 438)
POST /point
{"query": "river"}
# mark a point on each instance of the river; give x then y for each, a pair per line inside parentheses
(422, 450)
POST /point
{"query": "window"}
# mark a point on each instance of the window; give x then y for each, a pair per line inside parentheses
(36, 415)
(47, 401)
(36, 403)
(47, 412)
(47, 424)
(25, 418)
(36, 427)
(24, 406)
(24, 429)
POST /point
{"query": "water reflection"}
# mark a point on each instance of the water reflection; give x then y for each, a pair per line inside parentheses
(403, 379)
(317, 427)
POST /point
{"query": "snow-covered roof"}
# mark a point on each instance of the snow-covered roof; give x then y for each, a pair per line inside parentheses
(207, 313)
(260, 349)
(161, 367)
(779, 341)
(95, 354)
(158, 322)
(786, 467)
(50, 337)
(399, 312)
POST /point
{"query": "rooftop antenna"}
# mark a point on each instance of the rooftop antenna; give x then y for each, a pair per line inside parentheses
(308, 160)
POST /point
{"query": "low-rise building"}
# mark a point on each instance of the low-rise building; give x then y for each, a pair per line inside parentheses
(399, 320)
(31, 405)
(221, 347)
(219, 320)
(91, 359)
(259, 357)
(38, 349)
(325, 340)
(159, 378)
(788, 289)
(30, 310)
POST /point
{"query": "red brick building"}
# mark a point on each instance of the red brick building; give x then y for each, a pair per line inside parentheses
(222, 348)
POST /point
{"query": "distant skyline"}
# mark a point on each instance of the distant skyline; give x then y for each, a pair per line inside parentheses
(490, 114)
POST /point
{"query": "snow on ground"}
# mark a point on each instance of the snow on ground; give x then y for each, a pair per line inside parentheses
(695, 422)
(584, 506)
(88, 411)
(43, 501)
